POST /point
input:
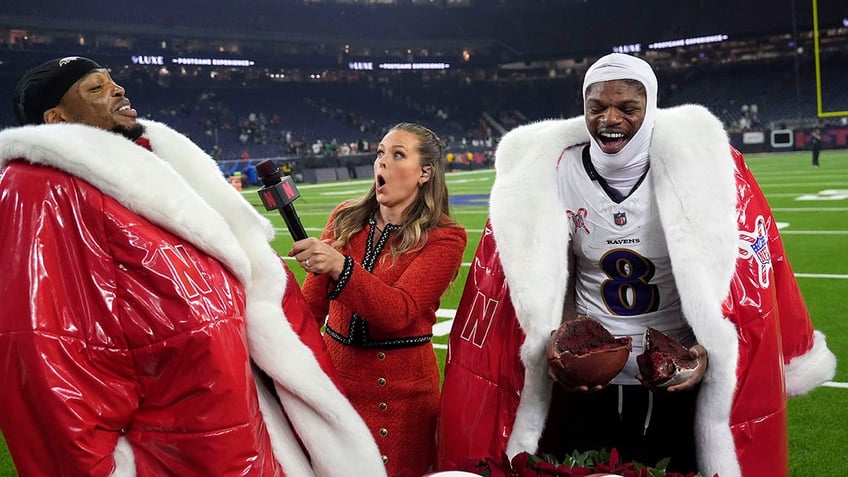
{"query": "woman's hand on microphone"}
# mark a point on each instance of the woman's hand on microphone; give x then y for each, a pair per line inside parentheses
(318, 257)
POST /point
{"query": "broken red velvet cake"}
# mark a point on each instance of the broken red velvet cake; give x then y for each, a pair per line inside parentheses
(583, 353)
(665, 362)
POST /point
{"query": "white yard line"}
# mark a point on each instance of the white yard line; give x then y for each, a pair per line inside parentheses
(771, 185)
(810, 209)
(814, 232)
(822, 275)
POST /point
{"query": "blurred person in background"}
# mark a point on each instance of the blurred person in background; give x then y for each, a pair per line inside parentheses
(144, 309)
(816, 142)
(636, 217)
(379, 271)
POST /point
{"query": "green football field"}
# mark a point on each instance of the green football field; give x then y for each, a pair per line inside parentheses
(810, 203)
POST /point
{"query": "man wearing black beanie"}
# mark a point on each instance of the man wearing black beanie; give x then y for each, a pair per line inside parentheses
(140, 294)
(66, 90)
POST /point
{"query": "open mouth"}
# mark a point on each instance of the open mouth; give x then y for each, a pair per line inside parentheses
(381, 181)
(612, 140)
(126, 110)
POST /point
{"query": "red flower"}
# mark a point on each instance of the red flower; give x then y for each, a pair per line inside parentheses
(612, 466)
(573, 471)
(582, 464)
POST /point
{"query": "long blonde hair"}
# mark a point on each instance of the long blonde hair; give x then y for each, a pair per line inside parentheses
(429, 210)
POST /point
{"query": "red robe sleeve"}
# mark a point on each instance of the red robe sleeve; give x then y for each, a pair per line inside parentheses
(806, 358)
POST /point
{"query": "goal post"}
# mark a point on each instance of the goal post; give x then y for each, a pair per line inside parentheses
(817, 52)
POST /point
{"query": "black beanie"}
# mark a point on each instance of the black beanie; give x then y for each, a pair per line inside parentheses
(42, 87)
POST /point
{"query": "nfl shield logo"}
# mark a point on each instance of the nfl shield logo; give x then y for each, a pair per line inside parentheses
(761, 249)
(620, 218)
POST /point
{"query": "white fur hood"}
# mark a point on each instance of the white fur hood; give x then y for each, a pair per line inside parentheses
(180, 188)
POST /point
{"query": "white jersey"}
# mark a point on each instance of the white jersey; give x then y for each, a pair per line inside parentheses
(623, 276)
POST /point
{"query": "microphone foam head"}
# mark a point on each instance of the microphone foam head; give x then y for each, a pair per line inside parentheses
(268, 172)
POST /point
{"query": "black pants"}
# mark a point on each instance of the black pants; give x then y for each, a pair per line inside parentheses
(644, 432)
(815, 157)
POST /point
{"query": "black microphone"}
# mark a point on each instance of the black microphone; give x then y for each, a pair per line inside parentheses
(278, 192)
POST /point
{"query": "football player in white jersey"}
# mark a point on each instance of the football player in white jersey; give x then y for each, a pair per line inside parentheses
(622, 274)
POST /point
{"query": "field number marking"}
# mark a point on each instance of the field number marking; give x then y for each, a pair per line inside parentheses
(828, 194)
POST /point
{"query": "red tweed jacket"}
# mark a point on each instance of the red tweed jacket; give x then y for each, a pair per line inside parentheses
(396, 390)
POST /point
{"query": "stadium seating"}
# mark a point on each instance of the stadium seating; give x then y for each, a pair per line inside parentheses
(290, 117)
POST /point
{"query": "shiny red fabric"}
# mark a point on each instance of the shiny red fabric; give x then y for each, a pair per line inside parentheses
(303, 323)
(111, 326)
(484, 368)
(758, 418)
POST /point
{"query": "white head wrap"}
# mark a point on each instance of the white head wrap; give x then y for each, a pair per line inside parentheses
(623, 169)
